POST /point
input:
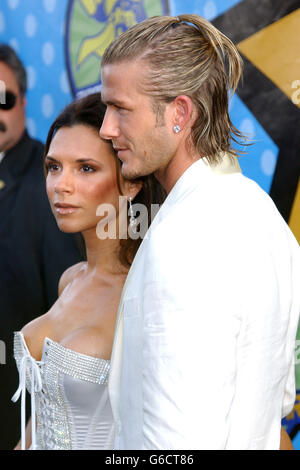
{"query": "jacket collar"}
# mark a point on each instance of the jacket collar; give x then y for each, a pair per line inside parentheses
(199, 173)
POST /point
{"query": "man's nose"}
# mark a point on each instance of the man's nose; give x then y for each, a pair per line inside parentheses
(109, 129)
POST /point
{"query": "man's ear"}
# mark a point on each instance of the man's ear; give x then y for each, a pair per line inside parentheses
(183, 111)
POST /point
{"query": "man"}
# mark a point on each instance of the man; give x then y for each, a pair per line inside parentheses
(33, 252)
(204, 345)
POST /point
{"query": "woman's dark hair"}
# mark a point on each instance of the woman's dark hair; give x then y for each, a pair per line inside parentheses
(89, 111)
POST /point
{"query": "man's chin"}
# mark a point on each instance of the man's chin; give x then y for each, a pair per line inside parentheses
(129, 173)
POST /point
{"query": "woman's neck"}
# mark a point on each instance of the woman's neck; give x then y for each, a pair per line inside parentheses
(103, 255)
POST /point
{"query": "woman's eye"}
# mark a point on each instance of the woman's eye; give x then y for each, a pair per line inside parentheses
(87, 169)
(51, 167)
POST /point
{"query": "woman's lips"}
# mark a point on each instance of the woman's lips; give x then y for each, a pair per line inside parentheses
(64, 209)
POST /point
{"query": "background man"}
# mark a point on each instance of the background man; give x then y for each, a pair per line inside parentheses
(33, 252)
(204, 350)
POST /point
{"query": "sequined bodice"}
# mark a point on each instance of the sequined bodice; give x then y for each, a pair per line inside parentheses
(71, 396)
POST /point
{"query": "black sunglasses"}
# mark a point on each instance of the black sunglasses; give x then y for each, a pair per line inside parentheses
(9, 101)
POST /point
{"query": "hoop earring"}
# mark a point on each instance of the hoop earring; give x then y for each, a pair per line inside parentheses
(132, 220)
(176, 129)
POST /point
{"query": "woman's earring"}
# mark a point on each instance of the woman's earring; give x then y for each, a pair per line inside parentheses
(132, 220)
(176, 129)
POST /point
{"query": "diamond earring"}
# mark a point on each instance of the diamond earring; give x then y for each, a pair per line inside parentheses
(132, 220)
(176, 129)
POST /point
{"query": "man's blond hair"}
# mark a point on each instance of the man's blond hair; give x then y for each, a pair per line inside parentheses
(186, 55)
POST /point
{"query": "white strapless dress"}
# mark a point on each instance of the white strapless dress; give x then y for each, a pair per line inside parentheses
(69, 398)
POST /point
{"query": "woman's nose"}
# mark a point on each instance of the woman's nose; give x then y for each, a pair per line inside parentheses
(64, 183)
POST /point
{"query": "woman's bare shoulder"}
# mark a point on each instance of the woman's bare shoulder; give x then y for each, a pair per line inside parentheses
(35, 331)
(68, 276)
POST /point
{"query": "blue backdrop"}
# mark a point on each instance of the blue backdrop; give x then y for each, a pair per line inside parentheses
(36, 29)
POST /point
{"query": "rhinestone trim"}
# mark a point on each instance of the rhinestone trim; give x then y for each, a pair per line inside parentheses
(80, 366)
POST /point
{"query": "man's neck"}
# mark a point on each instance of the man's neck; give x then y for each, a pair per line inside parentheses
(169, 175)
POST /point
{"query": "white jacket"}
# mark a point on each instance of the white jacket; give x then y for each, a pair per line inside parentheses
(203, 356)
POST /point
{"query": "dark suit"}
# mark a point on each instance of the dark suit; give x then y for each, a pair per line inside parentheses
(33, 255)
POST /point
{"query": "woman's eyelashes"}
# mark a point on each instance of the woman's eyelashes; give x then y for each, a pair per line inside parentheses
(82, 168)
(51, 167)
(88, 169)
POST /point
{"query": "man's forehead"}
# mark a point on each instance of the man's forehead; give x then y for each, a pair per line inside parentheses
(119, 80)
(119, 71)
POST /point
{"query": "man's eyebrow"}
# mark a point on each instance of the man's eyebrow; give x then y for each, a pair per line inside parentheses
(114, 102)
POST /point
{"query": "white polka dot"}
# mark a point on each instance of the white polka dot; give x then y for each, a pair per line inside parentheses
(247, 127)
(47, 106)
(64, 83)
(31, 126)
(14, 44)
(13, 4)
(30, 25)
(2, 22)
(268, 162)
(31, 77)
(49, 5)
(210, 10)
(48, 53)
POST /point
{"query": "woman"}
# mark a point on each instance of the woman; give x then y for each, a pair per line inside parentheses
(63, 356)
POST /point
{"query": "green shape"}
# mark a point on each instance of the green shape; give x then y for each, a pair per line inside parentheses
(153, 8)
(88, 72)
(82, 26)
